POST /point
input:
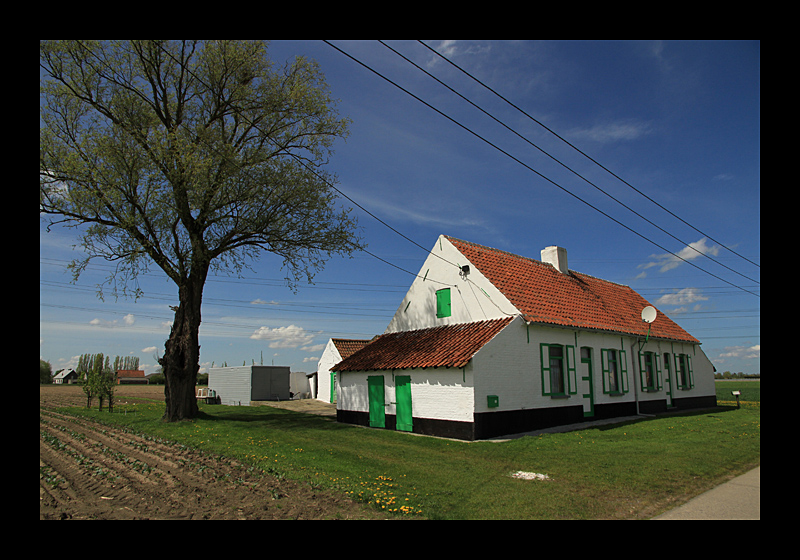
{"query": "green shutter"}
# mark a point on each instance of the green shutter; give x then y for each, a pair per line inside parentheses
(690, 372)
(544, 354)
(623, 370)
(572, 374)
(606, 372)
(642, 366)
(443, 303)
(657, 366)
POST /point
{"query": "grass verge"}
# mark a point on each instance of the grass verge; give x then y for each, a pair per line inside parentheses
(624, 471)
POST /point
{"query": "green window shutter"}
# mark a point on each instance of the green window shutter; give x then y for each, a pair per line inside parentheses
(657, 365)
(690, 374)
(572, 374)
(606, 371)
(623, 369)
(443, 303)
(544, 354)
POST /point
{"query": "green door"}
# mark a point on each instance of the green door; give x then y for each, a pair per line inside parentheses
(377, 402)
(402, 385)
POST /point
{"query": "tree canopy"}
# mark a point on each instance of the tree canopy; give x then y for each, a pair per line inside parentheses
(193, 156)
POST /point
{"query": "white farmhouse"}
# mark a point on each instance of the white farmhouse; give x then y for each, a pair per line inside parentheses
(487, 343)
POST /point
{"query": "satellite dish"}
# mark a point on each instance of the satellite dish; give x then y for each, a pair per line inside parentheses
(649, 314)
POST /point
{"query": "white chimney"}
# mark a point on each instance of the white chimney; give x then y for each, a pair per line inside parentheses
(557, 256)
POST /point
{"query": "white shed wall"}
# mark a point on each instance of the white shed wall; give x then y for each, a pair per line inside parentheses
(231, 384)
(440, 393)
(330, 357)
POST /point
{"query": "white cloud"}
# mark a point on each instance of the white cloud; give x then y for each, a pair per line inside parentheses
(626, 129)
(259, 301)
(311, 359)
(685, 296)
(669, 261)
(746, 352)
(128, 320)
(284, 337)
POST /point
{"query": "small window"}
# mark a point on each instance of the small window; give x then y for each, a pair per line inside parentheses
(615, 371)
(443, 303)
(684, 370)
(649, 371)
(613, 374)
(556, 369)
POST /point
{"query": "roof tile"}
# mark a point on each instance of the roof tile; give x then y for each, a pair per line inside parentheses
(445, 346)
(544, 295)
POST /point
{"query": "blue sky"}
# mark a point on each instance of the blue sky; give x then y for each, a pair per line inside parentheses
(679, 121)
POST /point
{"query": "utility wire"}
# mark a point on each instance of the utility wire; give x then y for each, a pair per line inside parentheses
(586, 155)
(561, 163)
(532, 169)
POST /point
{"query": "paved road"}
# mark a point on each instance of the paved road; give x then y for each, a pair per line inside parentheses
(738, 499)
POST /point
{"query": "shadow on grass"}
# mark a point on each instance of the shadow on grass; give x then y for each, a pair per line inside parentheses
(270, 418)
(676, 414)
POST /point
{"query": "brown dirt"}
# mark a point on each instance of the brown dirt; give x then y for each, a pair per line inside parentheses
(93, 471)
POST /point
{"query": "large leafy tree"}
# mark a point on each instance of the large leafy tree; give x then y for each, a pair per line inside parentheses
(193, 156)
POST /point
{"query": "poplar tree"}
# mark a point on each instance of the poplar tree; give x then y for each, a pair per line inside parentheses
(194, 157)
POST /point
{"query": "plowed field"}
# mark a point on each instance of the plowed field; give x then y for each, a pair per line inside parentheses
(93, 471)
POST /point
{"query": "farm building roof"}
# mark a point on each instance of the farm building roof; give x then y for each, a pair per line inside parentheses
(445, 346)
(347, 346)
(544, 295)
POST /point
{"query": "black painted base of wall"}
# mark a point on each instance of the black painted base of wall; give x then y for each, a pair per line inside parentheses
(499, 423)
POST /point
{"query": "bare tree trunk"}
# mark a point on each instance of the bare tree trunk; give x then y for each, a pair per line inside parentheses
(181, 360)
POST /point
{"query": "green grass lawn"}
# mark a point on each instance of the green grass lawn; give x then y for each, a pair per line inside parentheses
(629, 470)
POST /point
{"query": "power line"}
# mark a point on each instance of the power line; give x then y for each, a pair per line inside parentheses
(562, 164)
(457, 123)
(586, 155)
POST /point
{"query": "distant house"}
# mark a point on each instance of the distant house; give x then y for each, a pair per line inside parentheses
(336, 350)
(131, 377)
(65, 376)
(487, 343)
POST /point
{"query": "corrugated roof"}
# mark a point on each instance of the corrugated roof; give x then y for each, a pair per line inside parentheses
(445, 346)
(544, 295)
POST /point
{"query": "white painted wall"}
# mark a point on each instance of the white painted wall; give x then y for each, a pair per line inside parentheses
(440, 393)
(330, 357)
(472, 296)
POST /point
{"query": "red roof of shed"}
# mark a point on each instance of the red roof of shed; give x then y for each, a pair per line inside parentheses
(445, 346)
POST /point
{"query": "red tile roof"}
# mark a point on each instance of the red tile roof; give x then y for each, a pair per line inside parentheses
(544, 295)
(445, 346)
(130, 373)
(347, 347)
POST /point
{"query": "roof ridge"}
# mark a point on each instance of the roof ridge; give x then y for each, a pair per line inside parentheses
(509, 253)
